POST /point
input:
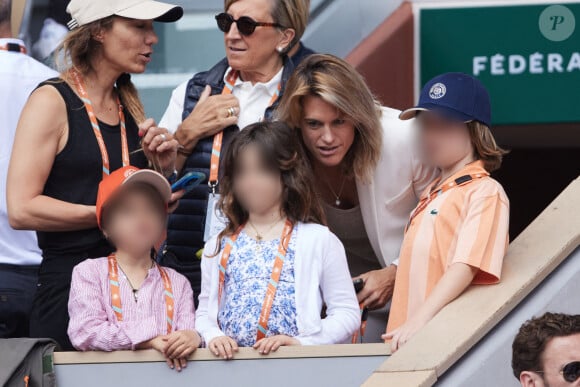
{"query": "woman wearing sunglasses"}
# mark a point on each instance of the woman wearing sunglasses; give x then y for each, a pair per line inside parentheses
(242, 89)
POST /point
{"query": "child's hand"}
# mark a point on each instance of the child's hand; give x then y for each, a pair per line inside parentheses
(223, 346)
(177, 364)
(181, 344)
(271, 344)
(158, 343)
(404, 333)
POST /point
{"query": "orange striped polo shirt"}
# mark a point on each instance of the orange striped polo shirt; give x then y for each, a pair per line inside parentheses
(467, 223)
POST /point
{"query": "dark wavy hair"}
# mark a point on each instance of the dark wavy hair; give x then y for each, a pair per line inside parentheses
(280, 150)
(532, 338)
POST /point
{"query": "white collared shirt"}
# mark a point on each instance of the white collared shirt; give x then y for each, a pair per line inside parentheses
(254, 99)
(19, 76)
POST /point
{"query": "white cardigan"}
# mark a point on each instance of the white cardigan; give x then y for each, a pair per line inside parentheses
(321, 275)
(396, 185)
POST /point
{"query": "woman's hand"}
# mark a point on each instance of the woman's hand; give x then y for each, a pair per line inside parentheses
(159, 146)
(271, 344)
(181, 344)
(401, 335)
(211, 115)
(223, 346)
(378, 288)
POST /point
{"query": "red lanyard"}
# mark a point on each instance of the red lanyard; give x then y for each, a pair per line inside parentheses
(13, 47)
(116, 292)
(425, 201)
(231, 79)
(274, 277)
(95, 124)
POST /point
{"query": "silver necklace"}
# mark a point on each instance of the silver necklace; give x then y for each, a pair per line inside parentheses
(337, 201)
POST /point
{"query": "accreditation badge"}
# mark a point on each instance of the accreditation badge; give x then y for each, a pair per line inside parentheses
(215, 220)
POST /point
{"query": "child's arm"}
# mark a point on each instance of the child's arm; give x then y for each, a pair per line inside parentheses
(342, 313)
(90, 328)
(455, 280)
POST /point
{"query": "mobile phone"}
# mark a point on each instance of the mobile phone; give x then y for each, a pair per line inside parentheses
(359, 284)
(188, 181)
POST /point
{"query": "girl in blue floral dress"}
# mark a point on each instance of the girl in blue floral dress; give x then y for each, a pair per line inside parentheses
(266, 276)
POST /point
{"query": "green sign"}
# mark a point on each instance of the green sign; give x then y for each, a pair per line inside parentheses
(527, 56)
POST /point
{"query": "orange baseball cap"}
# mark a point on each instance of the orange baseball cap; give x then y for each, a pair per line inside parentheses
(113, 183)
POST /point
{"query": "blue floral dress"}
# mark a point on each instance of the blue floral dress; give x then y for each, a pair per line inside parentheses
(246, 279)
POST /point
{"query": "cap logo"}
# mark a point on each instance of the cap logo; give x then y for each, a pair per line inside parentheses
(129, 172)
(72, 24)
(437, 91)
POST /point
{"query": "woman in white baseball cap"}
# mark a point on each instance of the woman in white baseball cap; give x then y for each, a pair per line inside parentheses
(76, 129)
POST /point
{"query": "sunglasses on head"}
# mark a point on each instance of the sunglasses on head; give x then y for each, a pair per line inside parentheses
(570, 372)
(246, 25)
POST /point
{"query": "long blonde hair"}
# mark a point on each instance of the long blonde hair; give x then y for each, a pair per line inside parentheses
(79, 48)
(339, 84)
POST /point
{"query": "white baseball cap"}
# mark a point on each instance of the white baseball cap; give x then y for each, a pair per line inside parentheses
(87, 11)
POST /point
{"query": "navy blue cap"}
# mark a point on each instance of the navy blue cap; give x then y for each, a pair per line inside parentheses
(457, 96)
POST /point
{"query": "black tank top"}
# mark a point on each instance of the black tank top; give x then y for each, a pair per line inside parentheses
(77, 171)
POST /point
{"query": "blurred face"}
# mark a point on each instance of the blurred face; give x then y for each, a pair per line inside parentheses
(443, 143)
(558, 352)
(136, 221)
(257, 188)
(327, 133)
(128, 44)
(258, 50)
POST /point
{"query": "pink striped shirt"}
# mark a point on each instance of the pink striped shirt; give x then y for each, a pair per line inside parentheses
(93, 324)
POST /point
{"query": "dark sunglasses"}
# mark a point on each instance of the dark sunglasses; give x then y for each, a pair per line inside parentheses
(570, 372)
(246, 25)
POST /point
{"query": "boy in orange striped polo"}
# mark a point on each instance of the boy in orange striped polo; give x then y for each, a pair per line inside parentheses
(458, 233)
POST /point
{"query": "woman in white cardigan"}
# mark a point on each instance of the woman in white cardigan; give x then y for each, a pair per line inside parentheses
(367, 172)
(267, 275)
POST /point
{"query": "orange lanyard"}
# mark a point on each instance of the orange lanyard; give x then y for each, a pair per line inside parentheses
(364, 313)
(95, 124)
(425, 201)
(216, 149)
(274, 277)
(13, 47)
(116, 292)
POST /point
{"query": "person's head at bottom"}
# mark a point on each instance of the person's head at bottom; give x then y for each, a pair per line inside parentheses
(546, 351)
(132, 209)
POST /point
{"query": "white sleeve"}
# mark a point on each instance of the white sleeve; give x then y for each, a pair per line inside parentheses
(342, 313)
(206, 320)
(172, 116)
